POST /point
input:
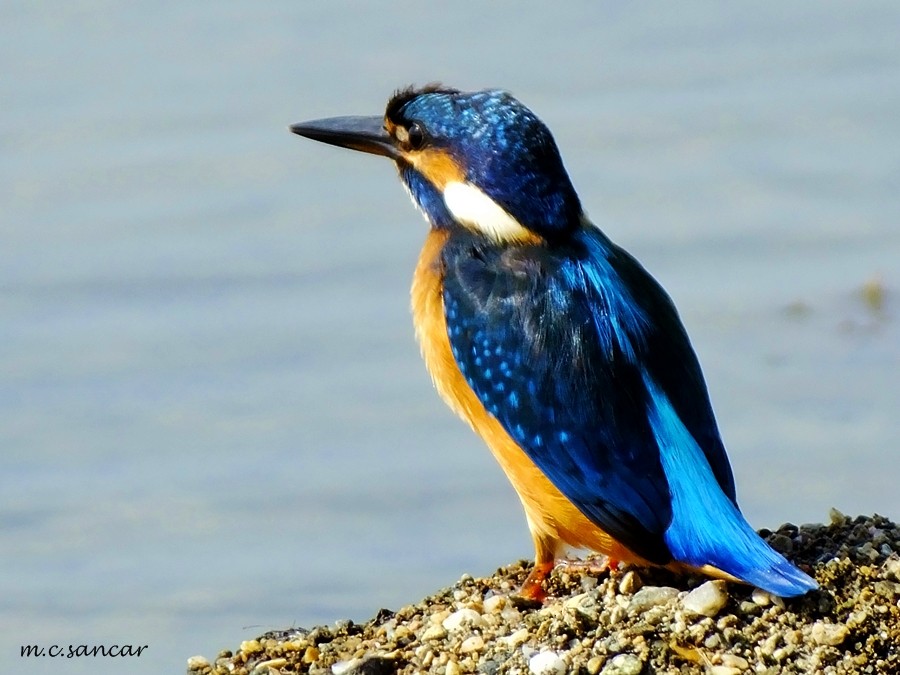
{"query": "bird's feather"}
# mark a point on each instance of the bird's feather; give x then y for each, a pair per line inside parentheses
(559, 344)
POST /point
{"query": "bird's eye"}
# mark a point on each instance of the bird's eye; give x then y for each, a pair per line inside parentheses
(416, 136)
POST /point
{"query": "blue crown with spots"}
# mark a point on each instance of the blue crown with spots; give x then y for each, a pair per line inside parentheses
(504, 149)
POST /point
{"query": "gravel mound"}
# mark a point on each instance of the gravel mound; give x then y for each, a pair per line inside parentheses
(630, 622)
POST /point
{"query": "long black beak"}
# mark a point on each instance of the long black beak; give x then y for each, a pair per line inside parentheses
(365, 134)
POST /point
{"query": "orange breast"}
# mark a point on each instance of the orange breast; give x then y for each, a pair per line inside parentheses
(553, 519)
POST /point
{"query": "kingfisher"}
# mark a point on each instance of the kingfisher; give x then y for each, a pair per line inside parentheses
(557, 347)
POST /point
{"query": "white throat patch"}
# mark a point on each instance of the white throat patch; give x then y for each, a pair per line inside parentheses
(474, 209)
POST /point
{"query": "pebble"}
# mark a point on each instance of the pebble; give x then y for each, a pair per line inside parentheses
(268, 667)
(892, 567)
(494, 604)
(594, 664)
(474, 643)
(651, 596)
(585, 604)
(722, 670)
(462, 618)
(707, 599)
(761, 597)
(197, 663)
(735, 661)
(251, 646)
(623, 664)
(547, 663)
(517, 638)
(630, 583)
(613, 626)
(341, 667)
(828, 633)
(434, 633)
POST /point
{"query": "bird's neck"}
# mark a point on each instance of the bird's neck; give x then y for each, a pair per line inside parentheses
(523, 217)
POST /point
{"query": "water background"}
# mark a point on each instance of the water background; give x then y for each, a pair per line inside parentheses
(213, 418)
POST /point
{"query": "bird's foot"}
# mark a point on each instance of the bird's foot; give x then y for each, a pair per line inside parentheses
(532, 589)
(593, 566)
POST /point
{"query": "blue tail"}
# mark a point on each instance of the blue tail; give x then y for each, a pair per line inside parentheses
(706, 527)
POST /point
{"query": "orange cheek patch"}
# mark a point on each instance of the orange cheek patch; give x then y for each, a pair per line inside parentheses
(437, 166)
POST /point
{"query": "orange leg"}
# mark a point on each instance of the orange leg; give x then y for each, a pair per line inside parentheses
(545, 548)
(532, 588)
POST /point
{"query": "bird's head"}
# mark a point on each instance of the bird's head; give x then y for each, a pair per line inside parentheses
(477, 160)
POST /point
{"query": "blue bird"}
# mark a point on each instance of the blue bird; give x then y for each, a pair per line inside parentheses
(558, 347)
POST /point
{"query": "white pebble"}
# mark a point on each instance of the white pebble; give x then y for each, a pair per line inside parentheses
(707, 599)
(197, 662)
(623, 664)
(723, 670)
(517, 638)
(761, 597)
(462, 618)
(547, 663)
(342, 667)
(494, 604)
(472, 644)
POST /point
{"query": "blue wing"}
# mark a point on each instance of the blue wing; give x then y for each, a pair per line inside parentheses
(581, 356)
(556, 343)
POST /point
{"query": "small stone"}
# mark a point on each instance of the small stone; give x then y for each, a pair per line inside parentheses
(251, 646)
(623, 664)
(708, 599)
(268, 667)
(439, 617)
(594, 664)
(588, 583)
(434, 633)
(474, 643)
(781, 543)
(892, 567)
(373, 665)
(452, 668)
(547, 663)
(311, 655)
(761, 597)
(517, 638)
(722, 670)
(584, 604)
(494, 604)
(735, 661)
(630, 583)
(341, 667)
(651, 596)
(829, 633)
(836, 517)
(197, 663)
(462, 618)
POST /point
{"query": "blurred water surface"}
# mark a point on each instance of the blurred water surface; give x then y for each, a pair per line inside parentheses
(213, 417)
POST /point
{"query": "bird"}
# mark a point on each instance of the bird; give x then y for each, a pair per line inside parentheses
(557, 347)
